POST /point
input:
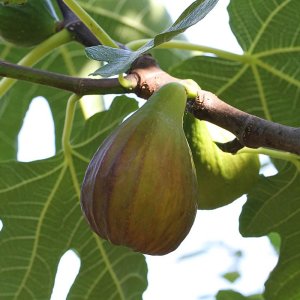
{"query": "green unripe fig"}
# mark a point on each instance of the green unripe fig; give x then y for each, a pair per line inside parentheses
(222, 177)
(140, 188)
(27, 24)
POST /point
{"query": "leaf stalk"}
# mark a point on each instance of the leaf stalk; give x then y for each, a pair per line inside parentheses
(287, 156)
(91, 24)
(184, 45)
(66, 139)
(70, 112)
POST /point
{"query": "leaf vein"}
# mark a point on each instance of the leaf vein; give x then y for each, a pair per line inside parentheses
(38, 232)
(266, 24)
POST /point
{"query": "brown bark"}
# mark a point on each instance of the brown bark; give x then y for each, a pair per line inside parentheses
(250, 131)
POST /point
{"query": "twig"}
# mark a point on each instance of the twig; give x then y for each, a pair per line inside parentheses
(80, 86)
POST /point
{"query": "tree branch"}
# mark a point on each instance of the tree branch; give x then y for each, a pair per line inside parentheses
(147, 77)
(250, 131)
(80, 86)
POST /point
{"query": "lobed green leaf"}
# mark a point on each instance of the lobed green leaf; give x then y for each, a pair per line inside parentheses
(42, 219)
(265, 80)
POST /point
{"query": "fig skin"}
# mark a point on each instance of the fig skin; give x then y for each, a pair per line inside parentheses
(140, 188)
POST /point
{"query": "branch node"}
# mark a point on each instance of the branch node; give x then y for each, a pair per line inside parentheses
(199, 101)
(230, 147)
(149, 76)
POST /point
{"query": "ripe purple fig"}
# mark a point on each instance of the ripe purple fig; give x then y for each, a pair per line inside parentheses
(140, 188)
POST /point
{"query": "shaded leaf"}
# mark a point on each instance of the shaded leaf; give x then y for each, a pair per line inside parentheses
(128, 20)
(12, 120)
(14, 104)
(42, 219)
(273, 206)
(13, 107)
(232, 295)
(120, 60)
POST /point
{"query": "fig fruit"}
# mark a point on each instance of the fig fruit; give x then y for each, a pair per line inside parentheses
(140, 187)
(27, 24)
(222, 177)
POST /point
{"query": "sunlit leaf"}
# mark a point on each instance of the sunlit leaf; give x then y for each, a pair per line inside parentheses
(265, 80)
(273, 206)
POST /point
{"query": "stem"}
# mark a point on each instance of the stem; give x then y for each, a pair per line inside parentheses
(191, 87)
(91, 24)
(70, 112)
(125, 83)
(36, 54)
(66, 139)
(123, 20)
(182, 45)
(293, 158)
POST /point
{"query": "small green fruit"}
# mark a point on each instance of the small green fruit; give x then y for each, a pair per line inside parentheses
(140, 188)
(27, 24)
(222, 177)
